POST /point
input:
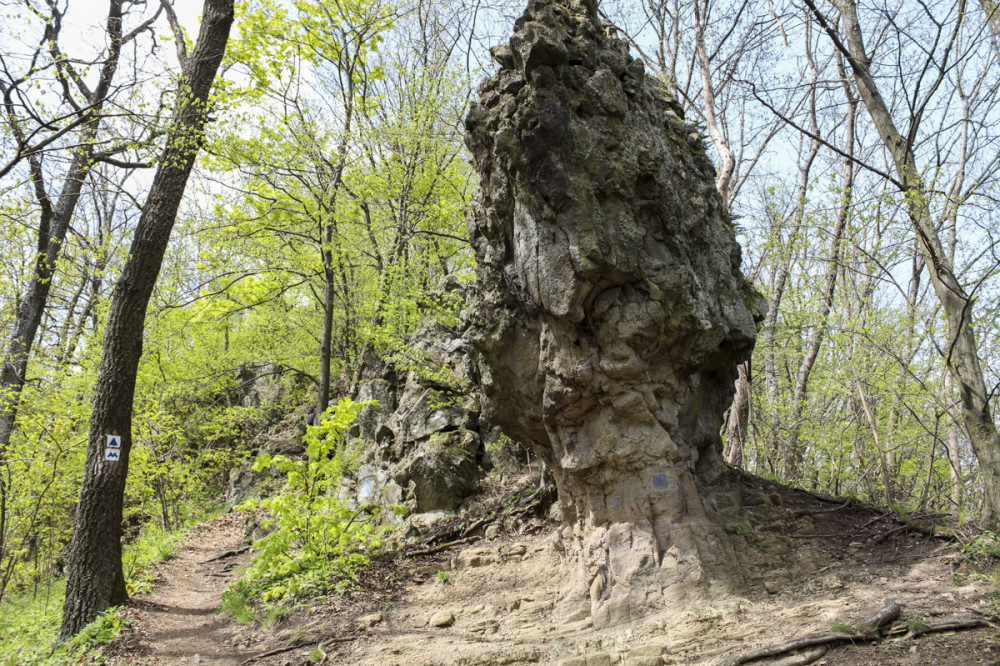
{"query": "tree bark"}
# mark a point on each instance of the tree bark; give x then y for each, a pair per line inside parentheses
(329, 232)
(52, 228)
(96, 580)
(739, 416)
(963, 358)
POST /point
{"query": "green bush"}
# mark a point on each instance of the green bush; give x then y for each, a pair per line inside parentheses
(28, 634)
(319, 541)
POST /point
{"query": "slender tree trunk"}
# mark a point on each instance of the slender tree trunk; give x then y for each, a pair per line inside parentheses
(728, 165)
(788, 469)
(829, 288)
(739, 416)
(963, 358)
(53, 224)
(329, 231)
(326, 340)
(96, 580)
(739, 411)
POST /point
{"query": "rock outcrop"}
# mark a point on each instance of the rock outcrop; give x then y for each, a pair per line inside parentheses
(610, 312)
(431, 446)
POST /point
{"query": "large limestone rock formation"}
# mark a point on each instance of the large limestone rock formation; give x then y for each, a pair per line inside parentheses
(610, 311)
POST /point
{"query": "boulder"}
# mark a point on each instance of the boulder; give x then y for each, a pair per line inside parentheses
(444, 470)
(609, 312)
(240, 486)
(429, 437)
(260, 385)
(442, 618)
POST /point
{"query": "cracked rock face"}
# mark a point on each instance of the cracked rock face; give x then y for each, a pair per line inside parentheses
(610, 312)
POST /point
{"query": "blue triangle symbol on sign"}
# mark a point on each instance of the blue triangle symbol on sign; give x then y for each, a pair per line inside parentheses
(114, 442)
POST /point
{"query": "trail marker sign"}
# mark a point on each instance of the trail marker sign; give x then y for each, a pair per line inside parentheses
(112, 454)
(114, 441)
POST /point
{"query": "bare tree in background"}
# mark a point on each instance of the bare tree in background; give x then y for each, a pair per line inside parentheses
(962, 357)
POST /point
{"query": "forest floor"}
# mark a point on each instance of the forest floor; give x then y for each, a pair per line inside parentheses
(178, 622)
(501, 601)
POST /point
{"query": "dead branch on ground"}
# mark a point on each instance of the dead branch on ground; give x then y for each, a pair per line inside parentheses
(868, 631)
(437, 549)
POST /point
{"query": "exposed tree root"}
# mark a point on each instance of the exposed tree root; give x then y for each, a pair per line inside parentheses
(989, 618)
(525, 505)
(485, 520)
(228, 553)
(298, 646)
(814, 512)
(952, 625)
(271, 653)
(910, 525)
(868, 631)
(437, 549)
(808, 656)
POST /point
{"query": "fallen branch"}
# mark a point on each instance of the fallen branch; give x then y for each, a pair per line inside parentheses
(297, 646)
(228, 553)
(867, 632)
(440, 547)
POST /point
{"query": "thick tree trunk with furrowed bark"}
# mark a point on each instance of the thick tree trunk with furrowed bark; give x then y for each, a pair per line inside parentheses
(95, 580)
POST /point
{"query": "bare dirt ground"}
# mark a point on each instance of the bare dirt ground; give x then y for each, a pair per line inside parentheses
(503, 601)
(177, 623)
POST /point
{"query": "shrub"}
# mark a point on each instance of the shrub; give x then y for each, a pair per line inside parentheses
(320, 541)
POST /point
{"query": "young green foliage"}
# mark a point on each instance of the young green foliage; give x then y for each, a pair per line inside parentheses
(319, 541)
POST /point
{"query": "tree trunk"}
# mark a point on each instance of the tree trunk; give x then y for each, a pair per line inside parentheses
(829, 288)
(739, 411)
(53, 225)
(329, 232)
(963, 358)
(739, 416)
(326, 340)
(96, 580)
(770, 327)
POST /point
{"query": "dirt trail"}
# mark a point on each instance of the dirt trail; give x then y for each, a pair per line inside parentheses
(809, 566)
(177, 623)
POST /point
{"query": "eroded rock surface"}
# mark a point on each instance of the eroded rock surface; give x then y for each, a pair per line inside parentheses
(610, 312)
(431, 446)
